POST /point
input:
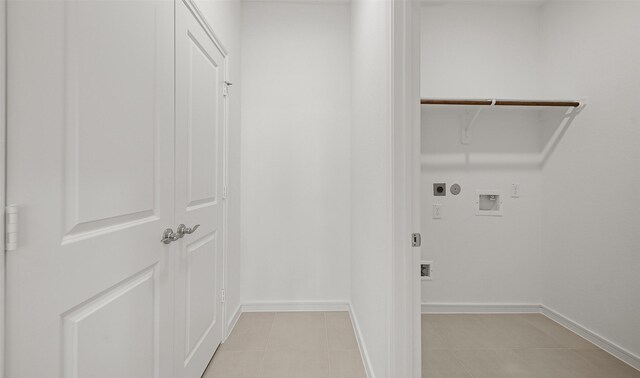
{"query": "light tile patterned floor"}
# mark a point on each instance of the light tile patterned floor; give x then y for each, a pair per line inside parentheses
(523, 345)
(289, 345)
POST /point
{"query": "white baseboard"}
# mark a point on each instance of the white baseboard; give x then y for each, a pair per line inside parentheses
(368, 367)
(441, 308)
(519, 308)
(233, 321)
(310, 306)
(606, 345)
(476, 308)
(295, 306)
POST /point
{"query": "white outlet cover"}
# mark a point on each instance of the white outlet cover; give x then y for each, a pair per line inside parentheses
(515, 190)
(437, 211)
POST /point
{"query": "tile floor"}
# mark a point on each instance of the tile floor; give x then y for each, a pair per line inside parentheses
(289, 345)
(523, 345)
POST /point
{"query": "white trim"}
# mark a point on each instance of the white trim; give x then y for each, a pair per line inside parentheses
(313, 2)
(526, 3)
(295, 306)
(193, 8)
(225, 203)
(404, 349)
(366, 361)
(601, 342)
(480, 308)
(525, 308)
(3, 172)
(232, 323)
(442, 308)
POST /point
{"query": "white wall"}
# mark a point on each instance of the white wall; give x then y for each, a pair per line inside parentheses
(585, 195)
(481, 51)
(224, 16)
(371, 241)
(480, 259)
(591, 216)
(295, 152)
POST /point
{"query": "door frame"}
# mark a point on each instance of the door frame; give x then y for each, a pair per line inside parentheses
(3, 173)
(406, 339)
(197, 13)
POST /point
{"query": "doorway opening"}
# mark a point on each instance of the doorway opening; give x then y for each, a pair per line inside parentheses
(514, 152)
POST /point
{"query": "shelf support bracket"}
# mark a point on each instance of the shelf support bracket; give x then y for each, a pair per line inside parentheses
(466, 132)
(583, 104)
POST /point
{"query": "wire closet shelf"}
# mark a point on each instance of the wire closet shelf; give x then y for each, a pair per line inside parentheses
(465, 136)
(495, 102)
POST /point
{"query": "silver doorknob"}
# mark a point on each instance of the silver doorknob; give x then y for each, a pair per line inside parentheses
(169, 236)
(184, 230)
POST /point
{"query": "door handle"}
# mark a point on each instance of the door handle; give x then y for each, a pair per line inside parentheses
(169, 236)
(184, 230)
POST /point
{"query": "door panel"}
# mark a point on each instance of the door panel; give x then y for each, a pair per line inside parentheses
(203, 109)
(90, 163)
(200, 70)
(99, 68)
(202, 260)
(118, 324)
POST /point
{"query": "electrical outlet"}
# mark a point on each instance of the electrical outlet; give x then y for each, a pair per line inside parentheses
(425, 270)
(440, 189)
(437, 211)
(515, 190)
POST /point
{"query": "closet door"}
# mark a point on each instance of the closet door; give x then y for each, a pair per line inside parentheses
(200, 70)
(91, 167)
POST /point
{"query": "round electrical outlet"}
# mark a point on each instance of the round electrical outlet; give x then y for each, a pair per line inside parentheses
(455, 189)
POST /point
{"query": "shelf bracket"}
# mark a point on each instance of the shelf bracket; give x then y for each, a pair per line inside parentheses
(573, 112)
(583, 104)
(466, 132)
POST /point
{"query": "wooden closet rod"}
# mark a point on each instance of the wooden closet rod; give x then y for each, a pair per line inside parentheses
(435, 101)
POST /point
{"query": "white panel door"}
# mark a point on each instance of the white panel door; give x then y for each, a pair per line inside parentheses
(91, 165)
(200, 74)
